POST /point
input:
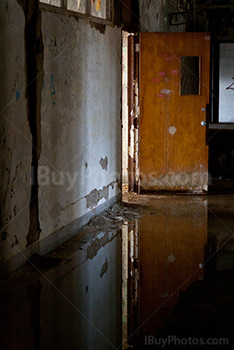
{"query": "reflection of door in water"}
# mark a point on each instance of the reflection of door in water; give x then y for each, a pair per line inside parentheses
(174, 92)
(171, 252)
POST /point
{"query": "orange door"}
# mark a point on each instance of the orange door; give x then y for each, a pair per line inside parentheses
(174, 94)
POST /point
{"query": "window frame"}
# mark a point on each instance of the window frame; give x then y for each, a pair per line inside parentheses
(196, 77)
(87, 16)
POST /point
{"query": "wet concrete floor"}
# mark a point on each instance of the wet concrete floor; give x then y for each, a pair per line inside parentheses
(154, 272)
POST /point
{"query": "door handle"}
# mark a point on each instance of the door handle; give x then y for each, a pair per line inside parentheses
(204, 123)
(203, 109)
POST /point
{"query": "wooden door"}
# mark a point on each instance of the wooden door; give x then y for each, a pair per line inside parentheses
(174, 97)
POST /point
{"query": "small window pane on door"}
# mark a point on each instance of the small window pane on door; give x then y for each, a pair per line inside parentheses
(77, 5)
(190, 75)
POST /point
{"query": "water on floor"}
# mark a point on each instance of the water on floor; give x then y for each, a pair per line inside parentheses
(135, 277)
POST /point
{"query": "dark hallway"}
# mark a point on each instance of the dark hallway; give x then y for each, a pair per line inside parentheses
(117, 174)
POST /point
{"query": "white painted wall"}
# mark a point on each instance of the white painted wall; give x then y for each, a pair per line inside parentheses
(80, 123)
(80, 116)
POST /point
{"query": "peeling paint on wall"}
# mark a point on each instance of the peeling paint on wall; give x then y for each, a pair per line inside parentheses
(15, 137)
(95, 196)
(98, 243)
(66, 125)
(76, 133)
(98, 26)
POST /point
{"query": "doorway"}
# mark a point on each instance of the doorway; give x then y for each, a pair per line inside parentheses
(165, 112)
(130, 112)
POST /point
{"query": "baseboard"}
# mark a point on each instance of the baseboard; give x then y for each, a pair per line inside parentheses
(48, 244)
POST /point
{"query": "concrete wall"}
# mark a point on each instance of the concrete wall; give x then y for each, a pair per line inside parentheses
(216, 17)
(78, 129)
(165, 15)
(81, 126)
(15, 137)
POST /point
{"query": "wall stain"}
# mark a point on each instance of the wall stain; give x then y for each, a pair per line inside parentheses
(104, 269)
(104, 163)
(17, 95)
(34, 50)
(52, 88)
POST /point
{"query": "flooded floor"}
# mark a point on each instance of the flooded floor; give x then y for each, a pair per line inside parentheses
(154, 272)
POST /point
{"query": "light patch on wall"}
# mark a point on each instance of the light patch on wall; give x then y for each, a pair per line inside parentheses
(172, 130)
(131, 147)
